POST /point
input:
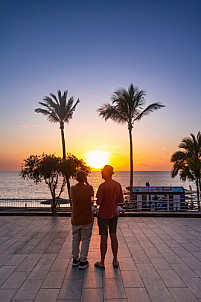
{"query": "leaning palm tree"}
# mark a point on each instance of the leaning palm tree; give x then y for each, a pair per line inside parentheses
(59, 110)
(128, 107)
(187, 161)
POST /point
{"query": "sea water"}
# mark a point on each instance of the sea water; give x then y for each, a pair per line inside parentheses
(13, 186)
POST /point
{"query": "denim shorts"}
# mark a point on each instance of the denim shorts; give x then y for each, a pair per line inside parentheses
(105, 223)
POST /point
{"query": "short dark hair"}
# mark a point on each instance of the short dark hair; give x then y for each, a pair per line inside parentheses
(108, 169)
(80, 175)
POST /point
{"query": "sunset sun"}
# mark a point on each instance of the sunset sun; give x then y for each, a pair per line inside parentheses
(97, 159)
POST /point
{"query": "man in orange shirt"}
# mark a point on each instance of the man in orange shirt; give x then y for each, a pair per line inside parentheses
(109, 195)
(81, 219)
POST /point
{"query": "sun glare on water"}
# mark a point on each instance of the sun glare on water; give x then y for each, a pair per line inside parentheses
(97, 159)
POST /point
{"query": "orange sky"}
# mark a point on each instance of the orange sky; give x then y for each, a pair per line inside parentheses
(150, 153)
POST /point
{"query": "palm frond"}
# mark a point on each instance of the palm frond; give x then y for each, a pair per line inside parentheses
(59, 96)
(44, 104)
(178, 156)
(51, 116)
(57, 110)
(43, 111)
(108, 111)
(148, 110)
(54, 97)
(51, 104)
(139, 100)
(70, 109)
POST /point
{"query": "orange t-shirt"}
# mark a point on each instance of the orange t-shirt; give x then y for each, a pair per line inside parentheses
(81, 204)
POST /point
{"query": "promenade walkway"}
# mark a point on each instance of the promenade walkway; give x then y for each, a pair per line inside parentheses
(160, 261)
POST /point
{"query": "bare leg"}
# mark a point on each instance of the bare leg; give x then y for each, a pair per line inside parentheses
(103, 248)
(114, 246)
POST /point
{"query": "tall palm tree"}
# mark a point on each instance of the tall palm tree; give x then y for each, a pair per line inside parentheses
(128, 107)
(187, 161)
(59, 110)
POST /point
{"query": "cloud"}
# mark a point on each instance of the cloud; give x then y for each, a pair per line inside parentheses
(165, 148)
(144, 165)
(28, 126)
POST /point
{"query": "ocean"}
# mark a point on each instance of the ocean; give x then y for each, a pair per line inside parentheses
(13, 186)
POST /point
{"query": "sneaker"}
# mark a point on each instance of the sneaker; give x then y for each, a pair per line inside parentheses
(76, 262)
(83, 265)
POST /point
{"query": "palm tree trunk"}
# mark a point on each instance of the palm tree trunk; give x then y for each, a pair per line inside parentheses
(198, 192)
(199, 189)
(131, 160)
(53, 204)
(63, 140)
(64, 154)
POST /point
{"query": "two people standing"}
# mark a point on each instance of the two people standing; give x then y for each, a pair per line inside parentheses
(109, 195)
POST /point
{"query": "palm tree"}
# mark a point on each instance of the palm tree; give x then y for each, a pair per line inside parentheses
(59, 110)
(188, 161)
(128, 107)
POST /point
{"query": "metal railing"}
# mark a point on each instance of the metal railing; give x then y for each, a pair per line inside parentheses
(30, 204)
(129, 205)
(175, 205)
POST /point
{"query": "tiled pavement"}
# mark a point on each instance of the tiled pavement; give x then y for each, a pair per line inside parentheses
(160, 261)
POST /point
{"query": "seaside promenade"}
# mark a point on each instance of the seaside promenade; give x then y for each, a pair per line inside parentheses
(160, 261)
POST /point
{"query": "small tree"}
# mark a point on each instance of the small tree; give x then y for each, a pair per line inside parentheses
(49, 168)
(187, 161)
(71, 165)
(44, 167)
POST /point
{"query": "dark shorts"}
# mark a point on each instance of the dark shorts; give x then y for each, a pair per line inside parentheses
(105, 223)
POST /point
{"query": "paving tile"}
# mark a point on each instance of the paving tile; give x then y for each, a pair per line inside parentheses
(182, 295)
(28, 290)
(28, 264)
(160, 263)
(47, 259)
(53, 280)
(171, 279)
(192, 262)
(115, 300)
(89, 294)
(190, 247)
(15, 280)
(49, 295)
(40, 271)
(127, 264)
(6, 294)
(110, 272)
(194, 284)
(92, 280)
(137, 295)
(182, 252)
(5, 272)
(172, 258)
(184, 271)
(60, 265)
(163, 248)
(147, 270)
(139, 255)
(71, 289)
(113, 289)
(16, 260)
(156, 289)
(198, 273)
(74, 273)
(132, 279)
